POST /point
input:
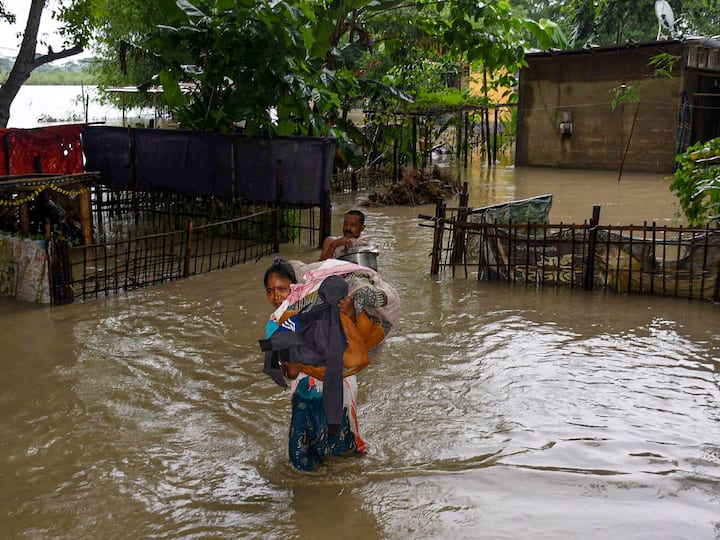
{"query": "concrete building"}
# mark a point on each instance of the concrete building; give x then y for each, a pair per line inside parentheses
(566, 116)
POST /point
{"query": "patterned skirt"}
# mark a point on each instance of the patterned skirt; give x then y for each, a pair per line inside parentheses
(310, 439)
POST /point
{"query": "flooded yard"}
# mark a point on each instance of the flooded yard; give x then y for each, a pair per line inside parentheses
(496, 411)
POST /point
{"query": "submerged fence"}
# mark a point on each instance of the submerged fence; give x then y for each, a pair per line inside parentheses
(161, 205)
(366, 178)
(133, 249)
(645, 259)
(114, 266)
(132, 239)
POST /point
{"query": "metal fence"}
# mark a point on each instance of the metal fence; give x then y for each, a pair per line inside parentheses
(83, 272)
(124, 214)
(146, 238)
(362, 179)
(645, 259)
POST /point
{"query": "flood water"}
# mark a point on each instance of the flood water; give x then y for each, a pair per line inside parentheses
(43, 105)
(495, 412)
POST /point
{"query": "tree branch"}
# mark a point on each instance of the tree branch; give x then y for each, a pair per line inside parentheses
(51, 56)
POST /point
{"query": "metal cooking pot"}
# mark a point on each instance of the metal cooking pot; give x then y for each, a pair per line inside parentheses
(362, 255)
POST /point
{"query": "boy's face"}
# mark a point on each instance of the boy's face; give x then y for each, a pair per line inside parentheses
(352, 226)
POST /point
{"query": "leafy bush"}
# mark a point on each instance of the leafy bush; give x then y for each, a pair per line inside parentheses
(696, 182)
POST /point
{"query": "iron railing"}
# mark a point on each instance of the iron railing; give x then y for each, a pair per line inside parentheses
(647, 259)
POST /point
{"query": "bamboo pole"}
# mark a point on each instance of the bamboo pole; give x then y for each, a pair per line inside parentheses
(495, 136)
(466, 138)
(414, 143)
(326, 220)
(86, 217)
(458, 247)
(188, 249)
(627, 146)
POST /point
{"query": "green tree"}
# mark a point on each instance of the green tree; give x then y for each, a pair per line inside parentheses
(615, 22)
(538, 10)
(118, 26)
(223, 62)
(307, 59)
(426, 52)
(696, 182)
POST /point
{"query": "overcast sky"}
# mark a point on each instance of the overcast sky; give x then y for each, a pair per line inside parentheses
(10, 43)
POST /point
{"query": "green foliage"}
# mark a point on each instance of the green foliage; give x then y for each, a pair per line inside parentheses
(664, 64)
(422, 54)
(245, 65)
(5, 15)
(486, 32)
(509, 131)
(696, 182)
(288, 67)
(545, 33)
(290, 225)
(449, 98)
(118, 25)
(615, 22)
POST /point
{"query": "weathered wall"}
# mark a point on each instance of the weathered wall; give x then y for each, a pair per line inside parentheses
(23, 269)
(578, 88)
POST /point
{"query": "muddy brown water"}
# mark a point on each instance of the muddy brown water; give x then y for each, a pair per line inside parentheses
(496, 411)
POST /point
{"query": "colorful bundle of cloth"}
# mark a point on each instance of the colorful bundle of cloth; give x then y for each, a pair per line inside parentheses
(371, 294)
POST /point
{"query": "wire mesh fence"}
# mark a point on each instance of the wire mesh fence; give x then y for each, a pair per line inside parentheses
(111, 267)
(645, 259)
(132, 239)
(83, 272)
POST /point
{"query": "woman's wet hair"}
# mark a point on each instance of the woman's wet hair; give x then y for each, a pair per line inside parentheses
(282, 268)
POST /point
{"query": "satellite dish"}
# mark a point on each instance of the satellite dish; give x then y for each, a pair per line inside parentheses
(665, 17)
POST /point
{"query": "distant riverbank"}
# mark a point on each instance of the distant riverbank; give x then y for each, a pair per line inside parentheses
(69, 73)
(60, 78)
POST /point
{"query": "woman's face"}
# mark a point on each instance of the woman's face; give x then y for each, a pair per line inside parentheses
(277, 289)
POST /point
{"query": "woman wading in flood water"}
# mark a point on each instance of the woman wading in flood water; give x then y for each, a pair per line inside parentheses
(315, 429)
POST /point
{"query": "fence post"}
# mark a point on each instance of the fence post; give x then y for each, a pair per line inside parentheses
(325, 223)
(24, 219)
(188, 249)
(466, 138)
(488, 141)
(716, 292)
(414, 143)
(592, 242)
(437, 236)
(60, 271)
(396, 161)
(86, 215)
(458, 247)
(353, 181)
(495, 136)
(459, 136)
(426, 154)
